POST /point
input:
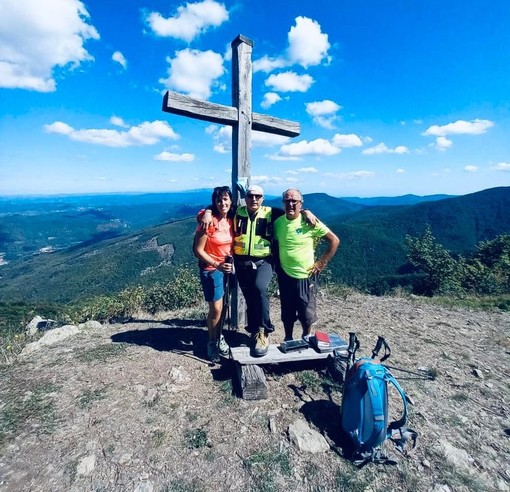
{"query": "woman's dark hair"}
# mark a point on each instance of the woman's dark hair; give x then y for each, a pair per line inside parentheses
(218, 192)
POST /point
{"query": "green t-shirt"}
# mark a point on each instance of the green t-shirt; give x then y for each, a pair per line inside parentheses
(296, 240)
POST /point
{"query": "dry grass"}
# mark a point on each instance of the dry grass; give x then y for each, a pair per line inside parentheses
(136, 405)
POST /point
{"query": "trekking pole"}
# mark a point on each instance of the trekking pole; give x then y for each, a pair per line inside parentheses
(226, 300)
(424, 374)
(351, 349)
(226, 303)
(378, 345)
(381, 342)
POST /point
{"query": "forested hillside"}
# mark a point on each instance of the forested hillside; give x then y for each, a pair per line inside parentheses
(105, 267)
(373, 239)
(458, 223)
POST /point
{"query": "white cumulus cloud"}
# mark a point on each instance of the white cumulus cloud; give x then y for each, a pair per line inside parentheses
(222, 137)
(120, 59)
(443, 143)
(117, 121)
(382, 149)
(308, 45)
(346, 140)
(320, 108)
(147, 133)
(194, 72)
(263, 139)
(59, 127)
(190, 21)
(502, 166)
(400, 149)
(323, 112)
(260, 179)
(169, 156)
(268, 64)
(279, 157)
(460, 127)
(289, 82)
(270, 98)
(470, 169)
(37, 38)
(318, 147)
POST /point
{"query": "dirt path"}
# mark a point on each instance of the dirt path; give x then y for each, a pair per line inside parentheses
(134, 407)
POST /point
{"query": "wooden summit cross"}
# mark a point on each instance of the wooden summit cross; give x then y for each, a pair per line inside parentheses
(242, 120)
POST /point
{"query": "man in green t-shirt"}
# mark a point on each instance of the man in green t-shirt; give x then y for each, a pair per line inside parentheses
(298, 270)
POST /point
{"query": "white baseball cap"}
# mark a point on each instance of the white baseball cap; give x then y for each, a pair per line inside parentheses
(255, 190)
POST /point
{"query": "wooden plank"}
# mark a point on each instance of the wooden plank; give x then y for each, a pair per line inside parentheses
(252, 382)
(275, 355)
(241, 142)
(270, 124)
(176, 103)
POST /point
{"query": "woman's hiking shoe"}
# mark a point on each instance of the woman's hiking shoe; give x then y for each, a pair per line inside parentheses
(260, 343)
(223, 347)
(213, 352)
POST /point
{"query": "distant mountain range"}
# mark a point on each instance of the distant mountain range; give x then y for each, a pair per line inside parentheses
(114, 254)
(41, 224)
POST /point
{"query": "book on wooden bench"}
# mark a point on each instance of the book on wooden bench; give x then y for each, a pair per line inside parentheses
(291, 345)
(327, 342)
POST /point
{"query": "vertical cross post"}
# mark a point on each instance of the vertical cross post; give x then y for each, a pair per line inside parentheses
(243, 120)
(241, 142)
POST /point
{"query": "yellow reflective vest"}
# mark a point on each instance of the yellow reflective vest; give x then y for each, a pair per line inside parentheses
(253, 237)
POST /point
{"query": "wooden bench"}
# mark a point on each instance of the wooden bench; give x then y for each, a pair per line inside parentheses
(250, 376)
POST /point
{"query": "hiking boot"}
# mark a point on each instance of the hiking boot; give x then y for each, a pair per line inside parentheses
(261, 343)
(212, 352)
(223, 347)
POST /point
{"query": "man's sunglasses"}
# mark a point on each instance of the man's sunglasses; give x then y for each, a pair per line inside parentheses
(250, 196)
(289, 201)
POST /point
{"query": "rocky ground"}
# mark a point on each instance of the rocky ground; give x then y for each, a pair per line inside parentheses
(135, 407)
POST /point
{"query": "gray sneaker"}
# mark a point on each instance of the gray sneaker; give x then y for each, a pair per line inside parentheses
(223, 347)
(212, 352)
(261, 343)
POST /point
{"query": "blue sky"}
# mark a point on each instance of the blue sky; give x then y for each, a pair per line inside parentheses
(393, 96)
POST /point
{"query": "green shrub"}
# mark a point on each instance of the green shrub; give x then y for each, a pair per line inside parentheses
(100, 308)
(485, 272)
(182, 291)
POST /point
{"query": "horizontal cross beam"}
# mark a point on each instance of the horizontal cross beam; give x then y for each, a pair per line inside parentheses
(176, 103)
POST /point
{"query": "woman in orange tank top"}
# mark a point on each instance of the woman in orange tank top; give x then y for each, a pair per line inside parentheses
(212, 247)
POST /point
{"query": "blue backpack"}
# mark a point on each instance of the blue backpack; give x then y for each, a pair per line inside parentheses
(365, 415)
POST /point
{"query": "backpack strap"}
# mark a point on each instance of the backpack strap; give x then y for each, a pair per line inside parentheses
(399, 434)
(402, 436)
(397, 424)
(376, 456)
